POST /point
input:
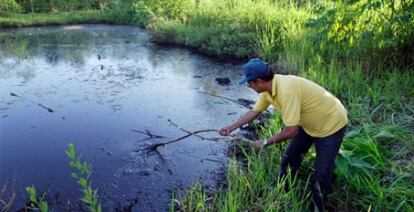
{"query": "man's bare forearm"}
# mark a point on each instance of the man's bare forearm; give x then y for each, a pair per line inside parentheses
(246, 118)
(285, 134)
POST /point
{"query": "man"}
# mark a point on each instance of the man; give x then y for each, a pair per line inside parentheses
(311, 115)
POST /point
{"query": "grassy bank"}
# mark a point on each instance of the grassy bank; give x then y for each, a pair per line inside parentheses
(359, 51)
(41, 19)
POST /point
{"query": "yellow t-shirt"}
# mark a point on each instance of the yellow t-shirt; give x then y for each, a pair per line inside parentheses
(304, 103)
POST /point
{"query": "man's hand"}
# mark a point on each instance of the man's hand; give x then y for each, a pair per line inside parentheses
(225, 131)
(258, 145)
(246, 118)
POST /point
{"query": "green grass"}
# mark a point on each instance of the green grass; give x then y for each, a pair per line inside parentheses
(40, 19)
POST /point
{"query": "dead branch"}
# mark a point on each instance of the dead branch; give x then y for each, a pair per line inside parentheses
(154, 147)
(186, 131)
(226, 138)
(226, 98)
(148, 133)
(50, 110)
(5, 205)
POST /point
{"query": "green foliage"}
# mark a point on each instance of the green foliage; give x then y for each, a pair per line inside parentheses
(365, 168)
(171, 9)
(218, 38)
(9, 6)
(142, 13)
(217, 30)
(270, 40)
(55, 6)
(38, 19)
(195, 199)
(252, 187)
(83, 172)
(37, 203)
(380, 32)
(120, 13)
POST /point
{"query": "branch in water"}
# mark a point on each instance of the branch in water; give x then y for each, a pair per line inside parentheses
(148, 133)
(226, 98)
(154, 147)
(50, 110)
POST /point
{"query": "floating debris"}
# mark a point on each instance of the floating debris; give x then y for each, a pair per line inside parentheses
(223, 81)
(50, 110)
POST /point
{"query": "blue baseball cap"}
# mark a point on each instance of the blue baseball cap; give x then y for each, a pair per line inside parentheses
(254, 69)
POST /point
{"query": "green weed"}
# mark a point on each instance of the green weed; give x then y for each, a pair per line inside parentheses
(83, 172)
(37, 203)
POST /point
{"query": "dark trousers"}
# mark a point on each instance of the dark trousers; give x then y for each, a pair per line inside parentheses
(326, 150)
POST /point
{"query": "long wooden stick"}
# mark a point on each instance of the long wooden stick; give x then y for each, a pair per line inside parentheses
(154, 147)
(228, 137)
(226, 98)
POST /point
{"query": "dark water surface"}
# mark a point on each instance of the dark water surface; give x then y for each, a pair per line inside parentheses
(101, 81)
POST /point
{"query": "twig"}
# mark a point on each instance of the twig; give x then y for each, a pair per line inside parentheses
(227, 138)
(7, 204)
(148, 133)
(154, 147)
(235, 138)
(188, 135)
(226, 98)
(50, 110)
(182, 129)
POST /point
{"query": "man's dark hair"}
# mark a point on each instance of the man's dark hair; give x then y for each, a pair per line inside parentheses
(270, 73)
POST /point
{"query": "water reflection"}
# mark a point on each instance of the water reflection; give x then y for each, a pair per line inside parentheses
(102, 81)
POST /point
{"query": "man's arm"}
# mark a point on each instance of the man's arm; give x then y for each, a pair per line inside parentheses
(246, 118)
(285, 134)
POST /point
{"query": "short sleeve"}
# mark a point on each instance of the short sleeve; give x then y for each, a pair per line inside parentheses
(290, 109)
(261, 104)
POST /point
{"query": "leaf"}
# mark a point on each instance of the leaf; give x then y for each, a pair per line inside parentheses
(74, 175)
(43, 206)
(345, 153)
(83, 182)
(32, 193)
(352, 133)
(359, 163)
(71, 151)
(384, 135)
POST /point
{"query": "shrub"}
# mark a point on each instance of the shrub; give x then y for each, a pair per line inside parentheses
(380, 32)
(170, 9)
(9, 6)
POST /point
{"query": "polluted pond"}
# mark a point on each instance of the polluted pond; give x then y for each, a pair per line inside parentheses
(144, 116)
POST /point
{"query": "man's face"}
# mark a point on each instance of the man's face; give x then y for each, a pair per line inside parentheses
(256, 85)
(250, 84)
(253, 84)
